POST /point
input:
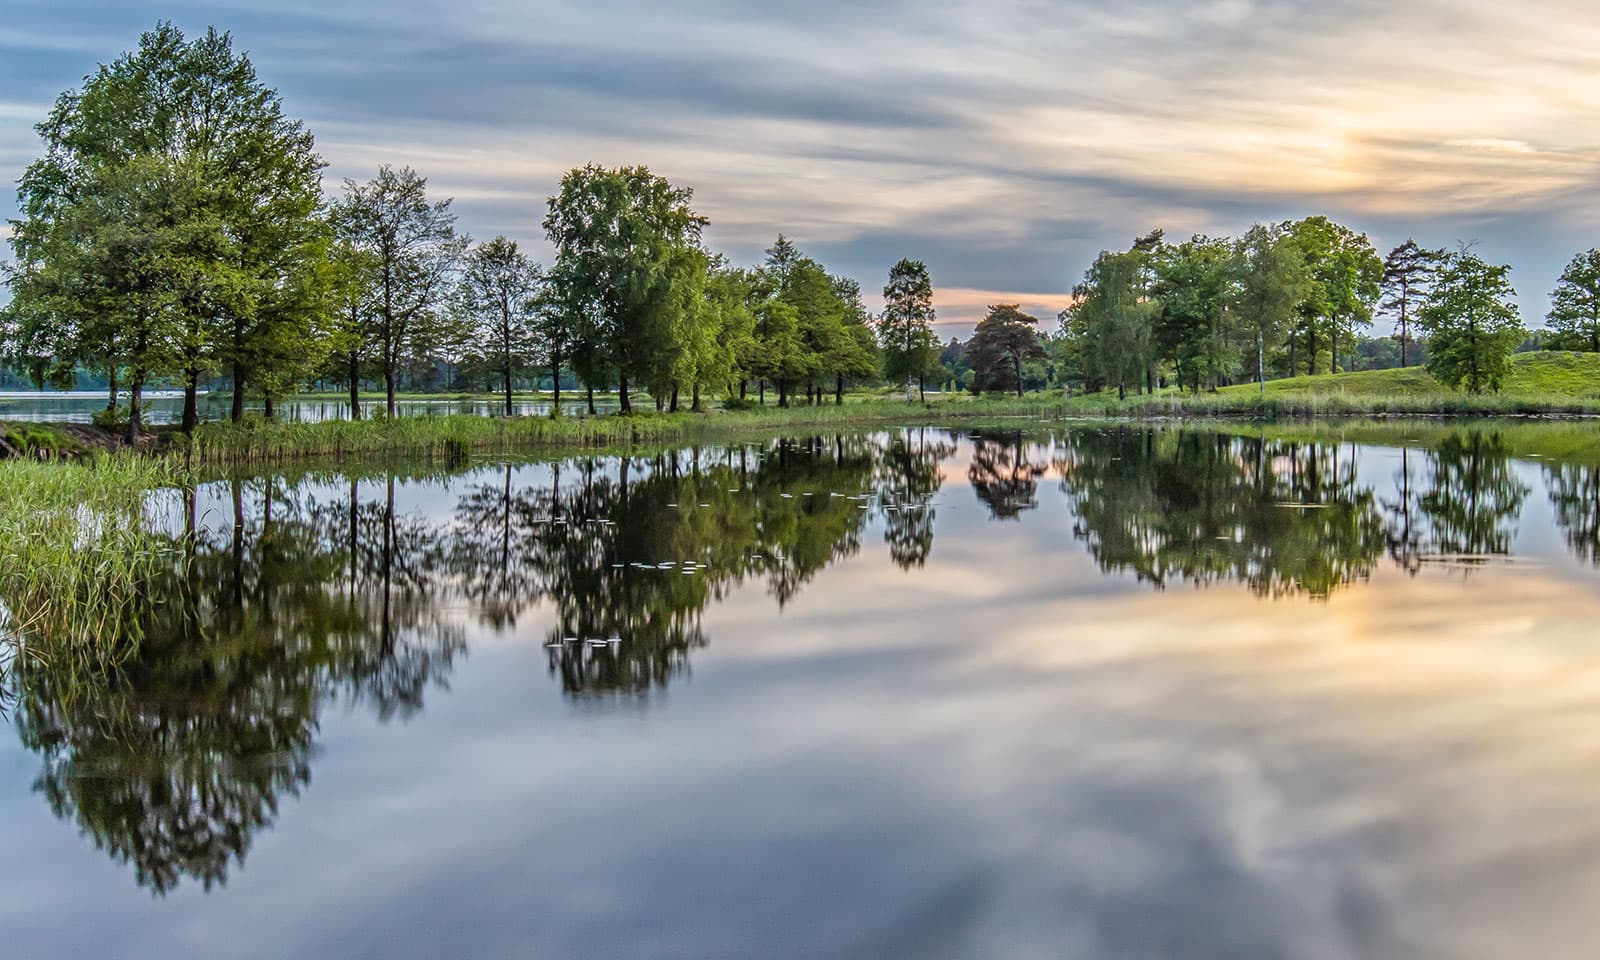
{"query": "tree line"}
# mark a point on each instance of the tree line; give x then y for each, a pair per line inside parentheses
(1296, 298)
(175, 231)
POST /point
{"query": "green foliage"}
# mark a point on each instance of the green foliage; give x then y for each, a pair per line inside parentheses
(905, 328)
(78, 548)
(1575, 304)
(1271, 282)
(407, 248)
(621, 237)
(1195, 328)
(498, 296)
(1005, 339)
(1472, 323)
(1407, 277)
(1112, 322)
(1344, 281)
(171, 226)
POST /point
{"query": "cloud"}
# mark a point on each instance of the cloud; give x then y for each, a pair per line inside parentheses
(1004, 144)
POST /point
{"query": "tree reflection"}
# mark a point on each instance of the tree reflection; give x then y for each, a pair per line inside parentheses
(1002, 475)
(1575, 494)
(1474, 498)
(1281, 517)
(286, 596)
(185, 754)
(908, 478)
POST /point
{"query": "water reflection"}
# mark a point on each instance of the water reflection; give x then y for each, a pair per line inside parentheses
(295, 594)
(1283, 517)
(175, 764)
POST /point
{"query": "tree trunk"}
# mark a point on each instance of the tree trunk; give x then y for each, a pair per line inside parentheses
(135, 398)
(111, 389)
(590, 388)
(1261, 360)
(922, 393)
(508, 384)
(555, 385)
(761, 398)
(1403, 333)
(744, 385)
(695, 402)
(388, 385)
(673, 407)
(838, 391)
(1016, 363)
(237, 413)
(659, 400)
(783, 393)
(191, 400)
(269, 411)
(355, 385)
(622, 393)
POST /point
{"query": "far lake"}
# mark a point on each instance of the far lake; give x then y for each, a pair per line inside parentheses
(79, 406)
(1043, 690)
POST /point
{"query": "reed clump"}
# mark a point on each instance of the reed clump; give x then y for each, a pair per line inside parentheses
(80, 543)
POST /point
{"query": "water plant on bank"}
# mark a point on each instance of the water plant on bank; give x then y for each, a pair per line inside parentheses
(79, 544)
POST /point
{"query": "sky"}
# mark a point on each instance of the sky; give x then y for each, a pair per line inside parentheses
(1004, 144)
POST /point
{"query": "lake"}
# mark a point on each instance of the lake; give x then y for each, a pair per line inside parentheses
(1040, 690)
(166, 406)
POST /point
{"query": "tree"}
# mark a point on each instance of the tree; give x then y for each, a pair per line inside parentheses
(254, 304)
(1575, 304)
(355, 274)
(414, 249)
(905, 328)
(1472, 323)
(1002, 341)
(498, 291)
(1194, 287)
(1271, 282)
(854, 354)
(619, 236)
(1111, 321)
(1407, 272)
(1345, 273)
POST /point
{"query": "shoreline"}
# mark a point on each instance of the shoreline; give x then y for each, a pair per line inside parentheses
(258, 441)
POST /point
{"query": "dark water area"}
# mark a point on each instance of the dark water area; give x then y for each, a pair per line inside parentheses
(166, 407)
(1047, 692)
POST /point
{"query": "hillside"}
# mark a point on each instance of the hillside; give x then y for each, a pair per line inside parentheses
(1548, 375)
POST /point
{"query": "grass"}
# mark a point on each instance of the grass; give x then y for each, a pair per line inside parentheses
(78, 547)
(1544, 376)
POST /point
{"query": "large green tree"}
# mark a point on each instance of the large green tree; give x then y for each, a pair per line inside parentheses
(1345, 275)
(1471, 322)
(1575, 304)
(255, 305)
(905, 327)
(1270, 283)
(414, 252)
(1194, 328)
(1111, 321)
(620, 236)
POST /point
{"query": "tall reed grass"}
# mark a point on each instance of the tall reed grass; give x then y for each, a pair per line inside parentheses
(79, 546)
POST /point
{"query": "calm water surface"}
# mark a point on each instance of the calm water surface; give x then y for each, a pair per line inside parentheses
(1049, 692)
